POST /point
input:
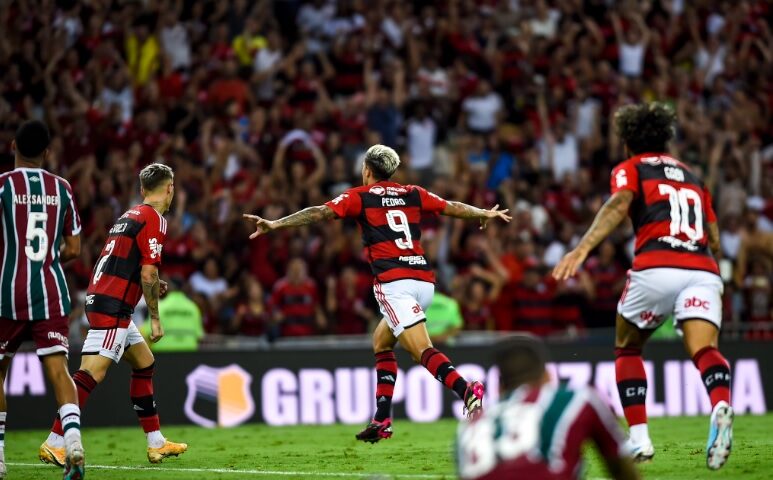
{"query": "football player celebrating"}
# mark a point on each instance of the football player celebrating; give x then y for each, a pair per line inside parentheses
(674, 271)
(389, 215)
(538, 429)
(126, 270)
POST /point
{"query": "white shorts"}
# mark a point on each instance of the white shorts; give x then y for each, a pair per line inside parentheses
(402, 302)
(653, 294)
(111, 343)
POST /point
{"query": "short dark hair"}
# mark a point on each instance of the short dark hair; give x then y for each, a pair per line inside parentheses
(32, 138)
(153, 175)
(382, 161)
(521, 359)
(645, 127)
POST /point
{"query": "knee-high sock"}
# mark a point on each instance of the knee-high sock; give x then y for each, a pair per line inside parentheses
(631, 384)
(141, 393)
(440, 367)
(715, 372)
(85, 384)
(386, 377)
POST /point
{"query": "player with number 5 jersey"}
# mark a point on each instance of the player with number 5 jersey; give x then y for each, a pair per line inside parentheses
(674, 272)
(389, 215)
(41, 230)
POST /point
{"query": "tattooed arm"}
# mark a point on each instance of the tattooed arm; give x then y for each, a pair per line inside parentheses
(462, 210)
(609, 217)
(151, 289)
(306, 216)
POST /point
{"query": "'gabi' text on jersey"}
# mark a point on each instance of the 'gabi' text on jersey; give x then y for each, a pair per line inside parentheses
(389, 215)
(671, 211)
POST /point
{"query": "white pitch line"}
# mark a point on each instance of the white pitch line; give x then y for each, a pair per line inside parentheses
(244, 472)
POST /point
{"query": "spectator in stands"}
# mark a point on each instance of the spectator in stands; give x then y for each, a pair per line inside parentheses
(295, 302)
(609, 278)
(347, 303)
(444, 319)
(253, 316)
(183, 328)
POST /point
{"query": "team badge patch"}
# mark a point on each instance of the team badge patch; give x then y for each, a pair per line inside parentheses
(219, 396)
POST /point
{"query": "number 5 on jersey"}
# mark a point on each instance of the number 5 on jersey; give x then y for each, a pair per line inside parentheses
(39, 233)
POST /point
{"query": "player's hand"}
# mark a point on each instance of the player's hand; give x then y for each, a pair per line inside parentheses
(569, 265)
(495, 213)
(163, 288)
(262, 225)
(156, 330)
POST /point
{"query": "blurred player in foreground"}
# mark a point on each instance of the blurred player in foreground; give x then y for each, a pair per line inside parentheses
(41, 230)
(127, 269)
(538, 429)
(673, 271)
(389, 215)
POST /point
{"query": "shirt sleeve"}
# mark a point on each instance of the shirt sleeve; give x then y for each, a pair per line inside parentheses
(625, 177)
(431, 202)
(711, 216)
(151, 239)
(605, 431)
(72, 220)
(348, 204)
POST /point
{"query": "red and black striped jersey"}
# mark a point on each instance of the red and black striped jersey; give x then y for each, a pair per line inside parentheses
(38, 209)
(136, 239)
(671, 211)
(389, 215)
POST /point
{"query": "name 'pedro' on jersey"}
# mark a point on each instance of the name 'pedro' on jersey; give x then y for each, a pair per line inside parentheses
(389, 215)
(670, 213)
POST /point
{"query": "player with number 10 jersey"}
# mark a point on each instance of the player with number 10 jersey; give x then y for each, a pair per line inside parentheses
(674, 274)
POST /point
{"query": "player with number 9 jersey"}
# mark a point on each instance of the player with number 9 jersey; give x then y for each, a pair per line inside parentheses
(389, 215)
(136, 239)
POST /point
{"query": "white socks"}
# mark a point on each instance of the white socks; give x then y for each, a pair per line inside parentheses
(155, 439)
(70, 415)
(640, 434)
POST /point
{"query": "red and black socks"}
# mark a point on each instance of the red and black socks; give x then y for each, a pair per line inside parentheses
(632, 387)
(440, 367)
(715, 372)
(386, 377)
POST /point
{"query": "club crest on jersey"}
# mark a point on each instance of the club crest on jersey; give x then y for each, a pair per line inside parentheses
(219, 396)
(377, 190)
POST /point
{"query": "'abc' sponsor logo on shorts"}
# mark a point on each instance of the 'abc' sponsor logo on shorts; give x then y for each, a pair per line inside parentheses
(696, 302)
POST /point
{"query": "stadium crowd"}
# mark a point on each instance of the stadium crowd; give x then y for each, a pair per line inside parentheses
(266, 107)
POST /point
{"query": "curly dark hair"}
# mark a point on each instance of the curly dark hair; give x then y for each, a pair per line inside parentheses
(645, 127)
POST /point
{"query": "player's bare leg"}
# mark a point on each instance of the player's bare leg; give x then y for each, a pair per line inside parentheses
(415, 340)
(92, 371)
(632, 386)
(386, 377)
(142, 362)
(700, 340)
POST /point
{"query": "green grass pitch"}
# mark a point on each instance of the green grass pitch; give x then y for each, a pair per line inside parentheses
(419, 451)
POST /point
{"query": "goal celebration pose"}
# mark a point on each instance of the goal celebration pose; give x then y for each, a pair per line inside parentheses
(389, 214)
(673, 272)
(127, 269)
(41, 230)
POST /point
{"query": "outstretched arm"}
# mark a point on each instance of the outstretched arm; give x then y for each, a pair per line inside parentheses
(462, 210)
(609, 217)
(307, 216)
